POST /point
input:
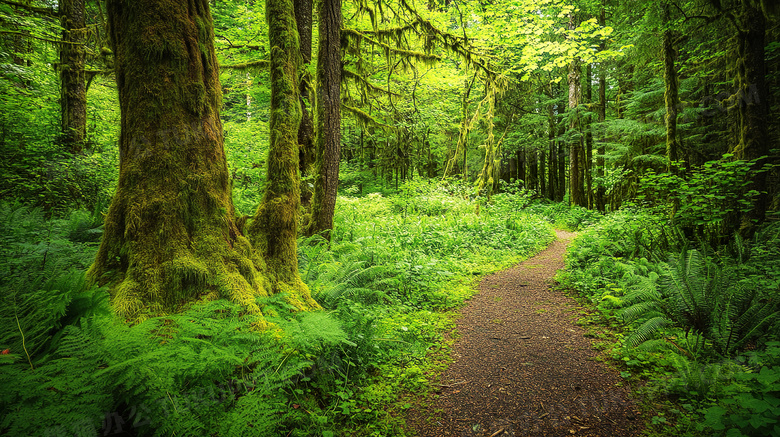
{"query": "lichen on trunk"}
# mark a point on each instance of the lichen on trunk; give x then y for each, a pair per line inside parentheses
(170, 236)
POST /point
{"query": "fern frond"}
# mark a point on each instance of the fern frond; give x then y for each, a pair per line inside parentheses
(643, 309)
(647, 330)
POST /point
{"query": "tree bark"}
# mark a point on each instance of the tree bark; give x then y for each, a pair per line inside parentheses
(533, 170)
(306, 147)
(170, 234)
(561, 193)
(73, 97)
(328, 119)
(542, 172)
(753, 109)
(274, 228)
(602, 116)
(576, 164)
(671, 92)
(588, 168)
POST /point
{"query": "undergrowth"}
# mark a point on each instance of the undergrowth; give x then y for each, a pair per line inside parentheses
(697, 325)
(395, 268)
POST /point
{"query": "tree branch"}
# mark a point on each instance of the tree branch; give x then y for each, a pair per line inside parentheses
(264, 63)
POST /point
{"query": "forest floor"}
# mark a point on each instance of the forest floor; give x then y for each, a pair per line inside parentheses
(523, 367)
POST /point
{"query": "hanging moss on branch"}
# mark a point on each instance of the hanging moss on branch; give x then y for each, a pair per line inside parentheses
(274, 228)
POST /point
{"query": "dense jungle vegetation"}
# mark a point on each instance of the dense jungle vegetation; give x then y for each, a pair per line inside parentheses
(224, 217)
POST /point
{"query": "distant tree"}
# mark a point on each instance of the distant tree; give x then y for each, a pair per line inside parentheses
(671, 92)
(576, 146)
(73, 99)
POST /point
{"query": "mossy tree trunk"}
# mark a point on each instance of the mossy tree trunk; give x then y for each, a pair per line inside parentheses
(170, 236)
(753, 108)
(328, 119)
(671, 91)
(73, 98)
(274, 228)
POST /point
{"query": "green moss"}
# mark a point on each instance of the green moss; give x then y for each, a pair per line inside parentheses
(274, 228)
(170, 236)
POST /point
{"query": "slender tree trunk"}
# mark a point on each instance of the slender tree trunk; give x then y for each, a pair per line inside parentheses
(671, 92)
(576, 164)
(561, 160)
(542, 172)
(602, 149)
(753, 107)
(306, 147)
(533, 170)
(589, 140)
(73, 98)
(521, 167)
(328, 118)
(552, 177)
(170, 235)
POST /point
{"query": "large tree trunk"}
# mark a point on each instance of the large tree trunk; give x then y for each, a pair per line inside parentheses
(671, 92)
(73, 98)
(306, 147)
(328, 118)
(170, 236)
(753, 107)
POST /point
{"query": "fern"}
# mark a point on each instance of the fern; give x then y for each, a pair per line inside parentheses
(699, 297)
(744, 317)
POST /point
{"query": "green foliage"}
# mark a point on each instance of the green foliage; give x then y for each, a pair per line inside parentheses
(697, 296)
(698, 325)
(386, 279)
(705, 199)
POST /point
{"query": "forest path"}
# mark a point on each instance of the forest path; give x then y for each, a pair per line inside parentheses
(523, 367)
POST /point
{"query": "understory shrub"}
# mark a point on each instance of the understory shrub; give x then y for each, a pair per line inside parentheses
(387, 280)
(700, 323)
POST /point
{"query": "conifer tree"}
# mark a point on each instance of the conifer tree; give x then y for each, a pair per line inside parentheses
(73, 99)
(328, 151)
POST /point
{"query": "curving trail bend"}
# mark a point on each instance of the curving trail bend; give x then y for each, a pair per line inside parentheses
(523, 367)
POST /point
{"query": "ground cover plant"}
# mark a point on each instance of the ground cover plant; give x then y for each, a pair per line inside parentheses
(388, 281)
(698, 324)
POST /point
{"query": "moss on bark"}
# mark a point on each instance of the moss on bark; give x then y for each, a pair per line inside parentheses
(73, 98)
(274, 228)
(170, 235)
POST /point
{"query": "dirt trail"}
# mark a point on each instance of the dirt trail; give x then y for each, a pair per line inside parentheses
(523, 368)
